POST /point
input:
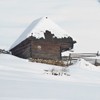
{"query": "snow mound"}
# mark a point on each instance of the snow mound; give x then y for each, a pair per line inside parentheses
(38, 27)
(13, 63)
(81, 63)
(23, 80)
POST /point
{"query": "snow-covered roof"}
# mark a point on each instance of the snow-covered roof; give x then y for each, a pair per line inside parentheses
(38, 27)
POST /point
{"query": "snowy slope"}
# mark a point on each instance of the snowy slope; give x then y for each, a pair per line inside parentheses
(81, 63)
(38, 27)
(23, 80)
(85, 72)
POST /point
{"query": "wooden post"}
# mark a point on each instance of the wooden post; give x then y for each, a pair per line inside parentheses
(67, 61)
(70, 58)
(60, 53)
(31, 54)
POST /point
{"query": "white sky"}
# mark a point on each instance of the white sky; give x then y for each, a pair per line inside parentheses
(80, 19)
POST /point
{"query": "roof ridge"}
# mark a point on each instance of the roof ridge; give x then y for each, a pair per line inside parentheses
(38, 27)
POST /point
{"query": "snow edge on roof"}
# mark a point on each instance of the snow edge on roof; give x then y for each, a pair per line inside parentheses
(38, 27)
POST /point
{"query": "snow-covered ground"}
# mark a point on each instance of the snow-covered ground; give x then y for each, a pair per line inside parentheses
(24, 80)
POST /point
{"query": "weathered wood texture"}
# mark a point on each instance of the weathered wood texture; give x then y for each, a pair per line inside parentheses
(48, 48)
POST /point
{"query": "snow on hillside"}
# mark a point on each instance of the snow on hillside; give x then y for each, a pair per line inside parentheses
(24, 80)
(85, 72)
(81, 63)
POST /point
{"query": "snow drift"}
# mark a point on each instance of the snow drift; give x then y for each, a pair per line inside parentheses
(24, 80)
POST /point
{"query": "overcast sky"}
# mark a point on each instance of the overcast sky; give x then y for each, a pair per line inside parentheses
(79, 18)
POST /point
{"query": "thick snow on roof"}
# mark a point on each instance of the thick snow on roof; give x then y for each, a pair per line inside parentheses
(38, 27)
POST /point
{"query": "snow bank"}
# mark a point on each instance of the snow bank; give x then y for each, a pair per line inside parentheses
(81, 63)
(83, 71)
(23, 80)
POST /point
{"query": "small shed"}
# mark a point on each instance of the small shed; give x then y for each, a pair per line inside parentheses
(43, 39)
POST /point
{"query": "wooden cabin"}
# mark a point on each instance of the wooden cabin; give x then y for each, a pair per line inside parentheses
(47, 47)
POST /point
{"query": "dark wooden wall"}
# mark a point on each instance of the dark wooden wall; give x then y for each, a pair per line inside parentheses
(48, 48)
